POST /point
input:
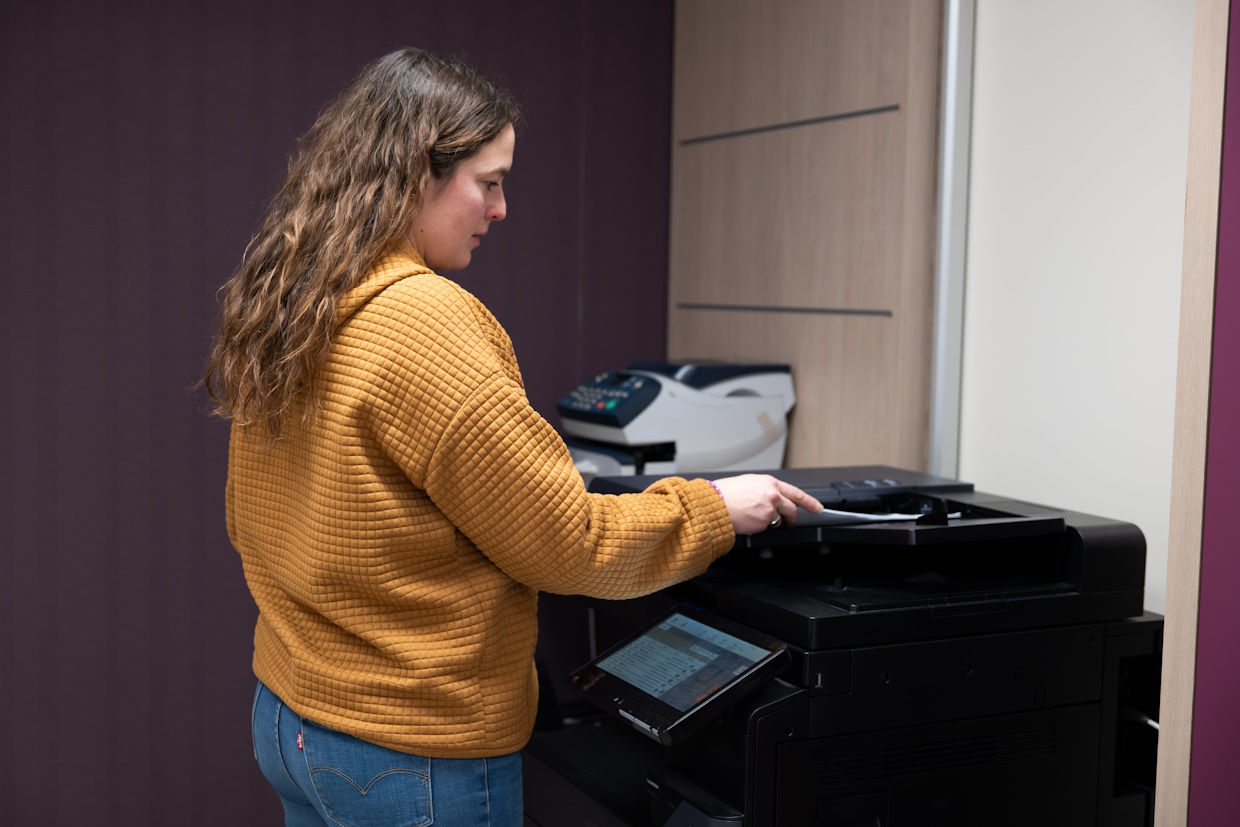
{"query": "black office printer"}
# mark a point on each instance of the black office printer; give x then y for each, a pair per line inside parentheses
(975, 661)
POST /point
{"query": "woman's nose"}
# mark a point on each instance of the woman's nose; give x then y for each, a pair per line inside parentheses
(498, 209)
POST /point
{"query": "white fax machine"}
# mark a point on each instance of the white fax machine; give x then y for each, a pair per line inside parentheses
(661, 418)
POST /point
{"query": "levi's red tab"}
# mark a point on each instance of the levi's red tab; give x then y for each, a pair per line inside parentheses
(300, 744)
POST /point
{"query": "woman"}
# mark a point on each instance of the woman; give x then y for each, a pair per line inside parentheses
(396, 502)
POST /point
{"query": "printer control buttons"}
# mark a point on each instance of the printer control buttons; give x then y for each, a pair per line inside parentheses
(851, 485)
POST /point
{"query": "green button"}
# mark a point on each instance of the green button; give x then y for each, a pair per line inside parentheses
(611, 404)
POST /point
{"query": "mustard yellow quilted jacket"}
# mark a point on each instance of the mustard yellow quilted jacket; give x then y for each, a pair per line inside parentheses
(395, 545)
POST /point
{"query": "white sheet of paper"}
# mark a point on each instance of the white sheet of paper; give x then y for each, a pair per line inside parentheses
(829, 516)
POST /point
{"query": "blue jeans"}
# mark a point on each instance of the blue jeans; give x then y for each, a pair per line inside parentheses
(324, 777)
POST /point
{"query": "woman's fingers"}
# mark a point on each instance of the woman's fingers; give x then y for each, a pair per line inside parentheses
(757, 502)
(799, 497)
(790, 498)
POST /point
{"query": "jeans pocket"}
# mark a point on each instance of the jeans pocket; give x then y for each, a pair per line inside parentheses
(253, 712)
(365, 785)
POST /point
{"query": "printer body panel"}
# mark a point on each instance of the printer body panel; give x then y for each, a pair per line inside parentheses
(963, 668)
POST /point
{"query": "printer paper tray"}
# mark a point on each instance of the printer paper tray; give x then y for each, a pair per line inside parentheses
(911, 534)
(864, 598)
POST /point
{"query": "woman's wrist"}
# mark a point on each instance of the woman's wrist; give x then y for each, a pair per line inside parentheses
(717, 491)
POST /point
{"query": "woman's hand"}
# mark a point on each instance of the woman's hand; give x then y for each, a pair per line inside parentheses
(757, 502)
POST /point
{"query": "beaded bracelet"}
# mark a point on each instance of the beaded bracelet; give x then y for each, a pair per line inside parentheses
(717, 491)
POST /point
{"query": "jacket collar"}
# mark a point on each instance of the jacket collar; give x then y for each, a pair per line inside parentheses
(399, 263)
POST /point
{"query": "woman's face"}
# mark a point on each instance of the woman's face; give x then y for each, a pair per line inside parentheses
(456, 213)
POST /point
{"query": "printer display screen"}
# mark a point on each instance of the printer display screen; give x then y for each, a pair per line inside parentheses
(682, 661)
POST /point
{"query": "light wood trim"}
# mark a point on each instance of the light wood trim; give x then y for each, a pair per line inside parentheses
(1192, 398)
(742, 64)
(913, 369)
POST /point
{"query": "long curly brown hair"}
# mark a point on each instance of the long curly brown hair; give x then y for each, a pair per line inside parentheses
(352, 190)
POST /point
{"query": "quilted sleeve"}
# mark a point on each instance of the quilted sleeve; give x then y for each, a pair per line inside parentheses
(446, 405)
(504, 477)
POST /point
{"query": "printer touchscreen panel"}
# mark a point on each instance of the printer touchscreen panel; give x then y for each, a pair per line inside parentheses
(680, 672)
(681, 661)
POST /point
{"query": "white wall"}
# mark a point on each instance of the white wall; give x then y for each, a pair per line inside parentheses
(1076, 204)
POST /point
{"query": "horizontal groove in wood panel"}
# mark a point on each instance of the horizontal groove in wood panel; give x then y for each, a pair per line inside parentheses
(755, 308)
(861, 113)
(743, 63)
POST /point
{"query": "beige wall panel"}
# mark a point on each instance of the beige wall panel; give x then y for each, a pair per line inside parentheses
(808, 217)
(742, 64)
(843, 416)
(836, 215)
(1192, 409)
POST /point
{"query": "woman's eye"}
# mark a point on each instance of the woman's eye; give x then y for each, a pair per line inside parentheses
(491, 185)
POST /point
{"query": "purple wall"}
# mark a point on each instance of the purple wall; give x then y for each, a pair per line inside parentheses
(1216, 702)
(138, 143)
